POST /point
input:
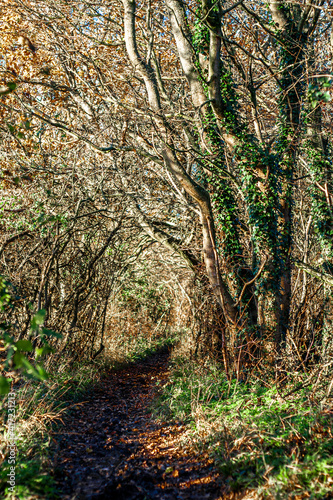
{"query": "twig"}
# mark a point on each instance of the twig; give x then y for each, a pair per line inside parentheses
(250, 282)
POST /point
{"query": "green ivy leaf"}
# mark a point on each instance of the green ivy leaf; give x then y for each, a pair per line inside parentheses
(24, 345)
(4, 385)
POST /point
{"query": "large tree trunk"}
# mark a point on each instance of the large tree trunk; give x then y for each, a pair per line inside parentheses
(197, 192)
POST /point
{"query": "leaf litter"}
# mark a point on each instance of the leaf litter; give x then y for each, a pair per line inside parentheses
(111, 446)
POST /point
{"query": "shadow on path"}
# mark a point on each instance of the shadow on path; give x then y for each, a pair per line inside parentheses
(111, 447)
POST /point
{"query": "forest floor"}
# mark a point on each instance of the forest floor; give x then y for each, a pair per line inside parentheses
(111, 446)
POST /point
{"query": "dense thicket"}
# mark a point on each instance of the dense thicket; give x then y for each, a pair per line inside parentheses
(202, 127)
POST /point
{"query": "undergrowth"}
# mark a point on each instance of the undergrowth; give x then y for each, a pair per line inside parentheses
(278, 445)
(42, 405)
(131, 348)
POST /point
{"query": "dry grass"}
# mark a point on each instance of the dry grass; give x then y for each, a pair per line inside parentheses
(276, 441)
(40, 406)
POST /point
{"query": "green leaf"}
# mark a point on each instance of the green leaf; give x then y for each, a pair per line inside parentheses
(326, 97)
(10, 353)
(29, 368)
(18, 359)
(38, 319)
(42, 374)
(12, 86)
(4, 385)
(24, 345)
(42, 351)
(7, 88)
(51, 333)
(8, 340)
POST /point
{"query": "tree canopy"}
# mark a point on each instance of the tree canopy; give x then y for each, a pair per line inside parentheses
(203, 127)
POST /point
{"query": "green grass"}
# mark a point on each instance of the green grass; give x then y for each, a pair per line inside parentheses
(32, 478)
(130, 349)
(41, 405)
(280, 446)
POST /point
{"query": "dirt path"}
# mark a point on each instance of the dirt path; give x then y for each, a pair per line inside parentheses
(111, 447)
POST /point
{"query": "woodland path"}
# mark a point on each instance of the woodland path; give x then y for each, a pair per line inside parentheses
(112, 448)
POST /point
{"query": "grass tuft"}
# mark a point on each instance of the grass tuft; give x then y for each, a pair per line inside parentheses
(40, 405)
(282, 447)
